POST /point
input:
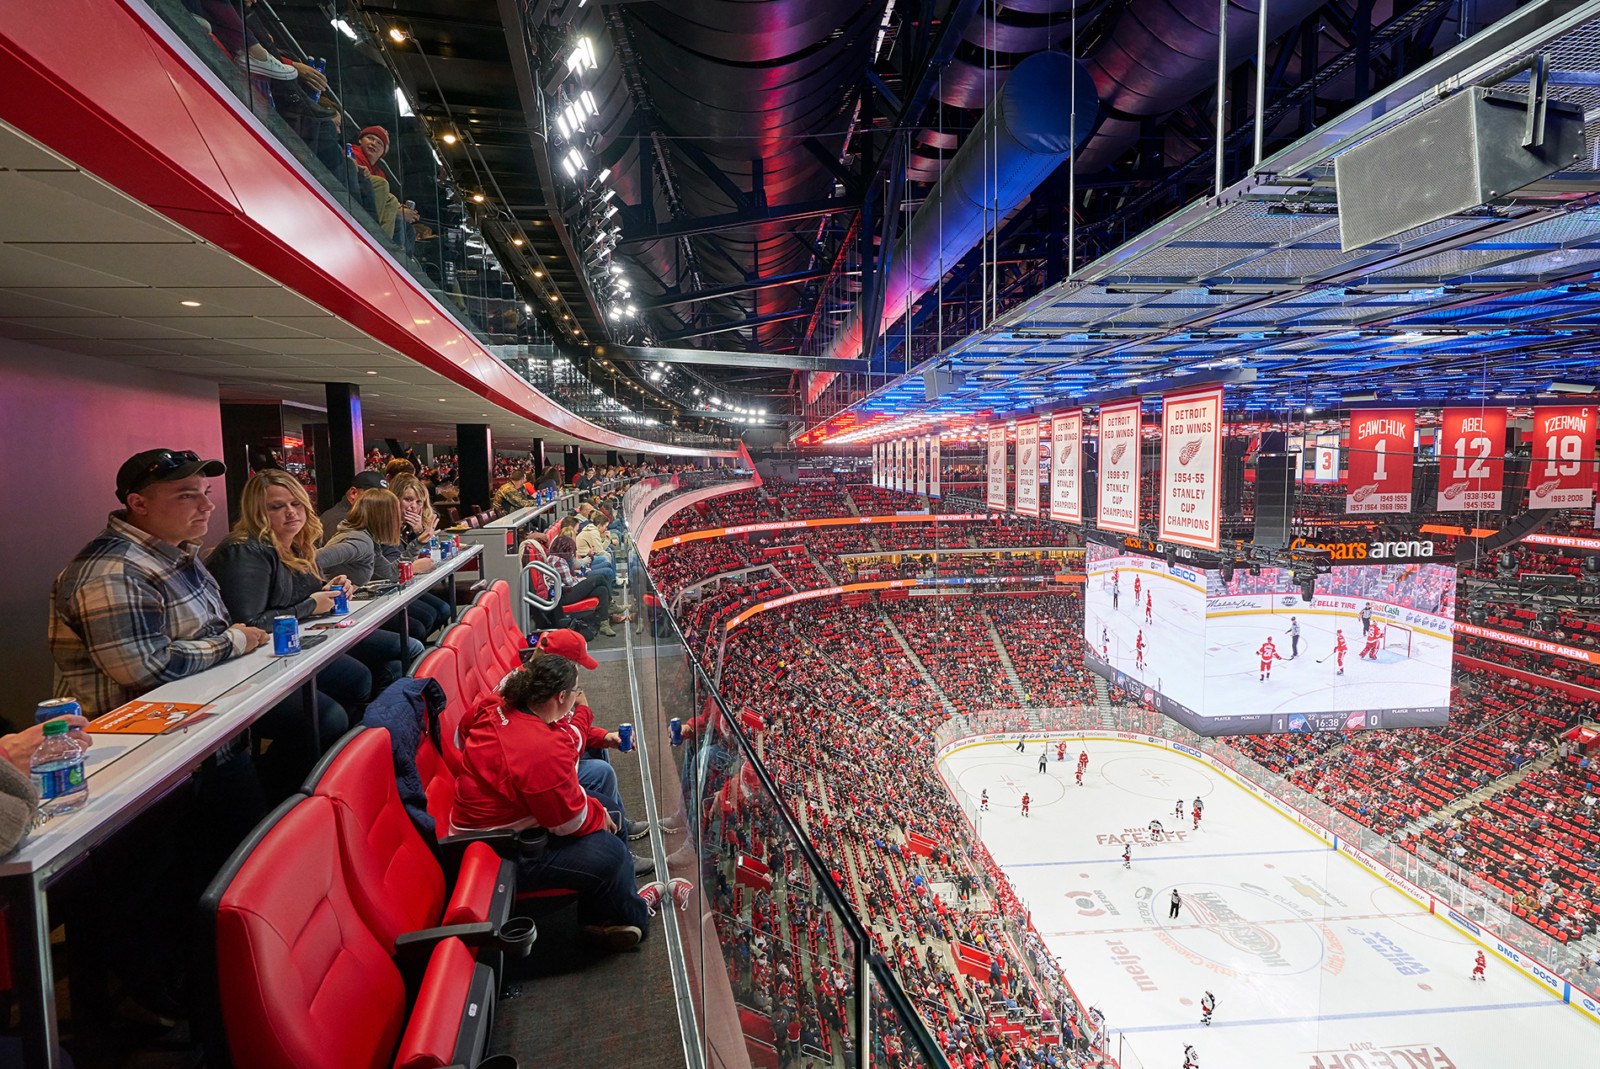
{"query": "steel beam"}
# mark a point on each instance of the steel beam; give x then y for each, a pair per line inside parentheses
(732, 289)
(635, 232)
(652, 354)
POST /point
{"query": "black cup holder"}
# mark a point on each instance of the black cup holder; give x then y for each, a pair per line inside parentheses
(499, 1061)
(531, 843)
(517, 936)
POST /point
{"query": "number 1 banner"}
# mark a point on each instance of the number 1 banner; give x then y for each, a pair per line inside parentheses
(1382, 456)
(933, 467)
(1472, 463)
(1066, 467)
(1119, 468)
(1028, 467)
(1191, 468)
(997, 467)
(1563, 469)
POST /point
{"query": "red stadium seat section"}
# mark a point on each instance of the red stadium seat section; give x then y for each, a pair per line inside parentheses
(304, 983)
(395, 878)
(443, 665)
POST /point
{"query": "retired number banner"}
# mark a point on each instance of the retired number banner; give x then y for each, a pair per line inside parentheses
(1382, 456)
(933, 467)
(1066, 466)
(1119, 467)
(1562, 472)
(1028, 467)
(1472, 463)
(1191, 468)
(997, 467)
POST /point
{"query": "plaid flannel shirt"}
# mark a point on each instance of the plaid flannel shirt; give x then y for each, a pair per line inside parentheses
(131, 612)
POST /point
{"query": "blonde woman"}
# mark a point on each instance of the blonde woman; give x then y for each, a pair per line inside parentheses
(418, 525)
(366, 546)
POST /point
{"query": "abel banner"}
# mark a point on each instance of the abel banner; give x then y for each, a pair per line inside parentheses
(1472, 463)
(933, 467)
(1066, 466)
(1119, 467)
(997, 467)
(1028, 467)
(1191, 468)
(1382, 454)
(1562, 472)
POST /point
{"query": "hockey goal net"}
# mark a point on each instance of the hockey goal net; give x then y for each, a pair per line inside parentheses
(1397, 639)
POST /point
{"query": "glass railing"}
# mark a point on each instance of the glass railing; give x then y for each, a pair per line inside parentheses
(315, 78)
(776, 966)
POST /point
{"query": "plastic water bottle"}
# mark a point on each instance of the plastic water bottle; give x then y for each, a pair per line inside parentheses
(57, 770)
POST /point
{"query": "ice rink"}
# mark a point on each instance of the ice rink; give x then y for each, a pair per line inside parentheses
(1315, 962)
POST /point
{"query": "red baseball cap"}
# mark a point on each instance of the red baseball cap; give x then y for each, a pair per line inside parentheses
(569, 644)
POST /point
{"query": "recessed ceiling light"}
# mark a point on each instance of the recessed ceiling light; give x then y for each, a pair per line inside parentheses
(441, 398)
(372, 373)
(396, 34)
(477, 198)
(448, 138)
(516, 241)
(190, 304)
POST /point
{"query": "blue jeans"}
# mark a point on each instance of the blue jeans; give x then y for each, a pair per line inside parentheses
(601, 566)
(599, 867)
(599, 780)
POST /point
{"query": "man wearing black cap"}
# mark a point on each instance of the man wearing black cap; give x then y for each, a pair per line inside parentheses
(136, 608)
(365, 480)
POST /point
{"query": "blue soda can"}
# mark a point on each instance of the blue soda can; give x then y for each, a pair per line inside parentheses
(625, 733)
(285, 635)
(447, 549)
(54, 707)
(675, 725)
(341, 603)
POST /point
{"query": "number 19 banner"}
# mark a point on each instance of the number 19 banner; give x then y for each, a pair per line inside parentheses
(1562, 472)
(1472, 463)
(1382, 455)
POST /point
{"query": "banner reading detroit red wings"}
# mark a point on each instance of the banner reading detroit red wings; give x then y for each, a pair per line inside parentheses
(1066, 466)
(1028, 467)
(1561, 475)
(997, 467)
(1119, 467)
(1191, 468)
(1382, 454)
(1472, 462)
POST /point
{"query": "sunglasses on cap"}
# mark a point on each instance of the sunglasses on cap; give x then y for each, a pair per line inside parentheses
(167, 460)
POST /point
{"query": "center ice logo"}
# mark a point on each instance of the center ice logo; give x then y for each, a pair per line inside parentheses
(1238, 931)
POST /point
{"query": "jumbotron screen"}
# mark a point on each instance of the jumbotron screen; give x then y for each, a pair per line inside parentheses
(1372, 649)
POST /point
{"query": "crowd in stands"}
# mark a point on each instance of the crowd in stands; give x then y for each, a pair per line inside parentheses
(958, 650)
(1043, 636)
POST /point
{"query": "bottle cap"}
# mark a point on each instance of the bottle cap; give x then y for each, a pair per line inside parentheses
(58, 726)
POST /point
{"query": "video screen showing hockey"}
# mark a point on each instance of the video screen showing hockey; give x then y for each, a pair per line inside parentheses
(1372, 648)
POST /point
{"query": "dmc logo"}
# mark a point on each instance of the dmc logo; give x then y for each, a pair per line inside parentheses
(1459, 919)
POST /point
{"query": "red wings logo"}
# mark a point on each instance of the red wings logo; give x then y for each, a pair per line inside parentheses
(1454, 490)
(1364, 492)
(1191, 451)
(1066, 448)
(1116, 453)
(1545, 489)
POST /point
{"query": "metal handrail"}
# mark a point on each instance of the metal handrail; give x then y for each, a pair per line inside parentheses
(530, 600)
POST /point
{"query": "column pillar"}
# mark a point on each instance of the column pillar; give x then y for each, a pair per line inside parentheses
(536, 455)
(347, 448)
(571, 461)
(475, 458)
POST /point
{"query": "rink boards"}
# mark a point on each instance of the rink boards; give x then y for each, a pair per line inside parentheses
(1556, 985)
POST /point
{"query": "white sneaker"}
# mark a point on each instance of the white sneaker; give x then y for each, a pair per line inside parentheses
(267, 67)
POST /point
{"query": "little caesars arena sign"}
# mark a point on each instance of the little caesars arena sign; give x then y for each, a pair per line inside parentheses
(1376, 552)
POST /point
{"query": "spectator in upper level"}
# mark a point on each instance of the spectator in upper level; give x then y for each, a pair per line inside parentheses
(394, 218)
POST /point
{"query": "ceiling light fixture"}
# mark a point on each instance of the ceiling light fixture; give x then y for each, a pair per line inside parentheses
(448, 138)
(190, 304)
(1571, 387)
(396, 34)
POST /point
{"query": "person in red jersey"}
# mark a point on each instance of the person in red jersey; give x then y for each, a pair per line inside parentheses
(1268, 653)
(1369, 651)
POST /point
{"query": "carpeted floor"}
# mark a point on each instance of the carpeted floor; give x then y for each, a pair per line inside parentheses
(580, 1009)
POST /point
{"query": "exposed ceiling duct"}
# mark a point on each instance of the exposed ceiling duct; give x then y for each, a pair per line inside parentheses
(1024, 135)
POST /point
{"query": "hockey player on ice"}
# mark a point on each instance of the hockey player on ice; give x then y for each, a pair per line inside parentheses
(983, 801)
(1191, 1060)
(1157, 832)
(1147, 605)
(1136, 591)
(1294, 638)
(1370, 650)
(1025, 802)
(1127, 855)
(1061, 751)
(1177, 810)
(1138, 650)
(1340, 648)
(1083, 765)
(1208, 1006)
(1268, 653)
(1478, 965)
(1196, 814)
(1105, 643)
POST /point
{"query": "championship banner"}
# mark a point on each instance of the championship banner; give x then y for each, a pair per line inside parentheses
(933, 466)
(877, 464)
(898, 449)
(997, 467)
(1066, 466)
(921, 466)
(1472, 463)
(894, 464)
(1028, 467)
(1561, 474)
(1191, 468)
(1119, 467)
(1382, 455)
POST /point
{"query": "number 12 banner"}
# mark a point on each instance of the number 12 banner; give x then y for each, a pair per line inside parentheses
(1191, 468)
(1562, 474)
(1472, 463)
(1382, 456)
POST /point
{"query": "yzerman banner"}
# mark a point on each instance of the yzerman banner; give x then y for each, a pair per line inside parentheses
(997, 467)
(1066, 466)
(1119, 468)
(933, 467)
(1382, 454)
(1028, 467)
(1562, 472)
(1472, 462)
(1191, 468)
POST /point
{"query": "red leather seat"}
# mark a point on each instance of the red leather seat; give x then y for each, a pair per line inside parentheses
(486, 654)
(305, 984)
(443, 665)
(394, 876)
(508, 637)
(475, 683)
